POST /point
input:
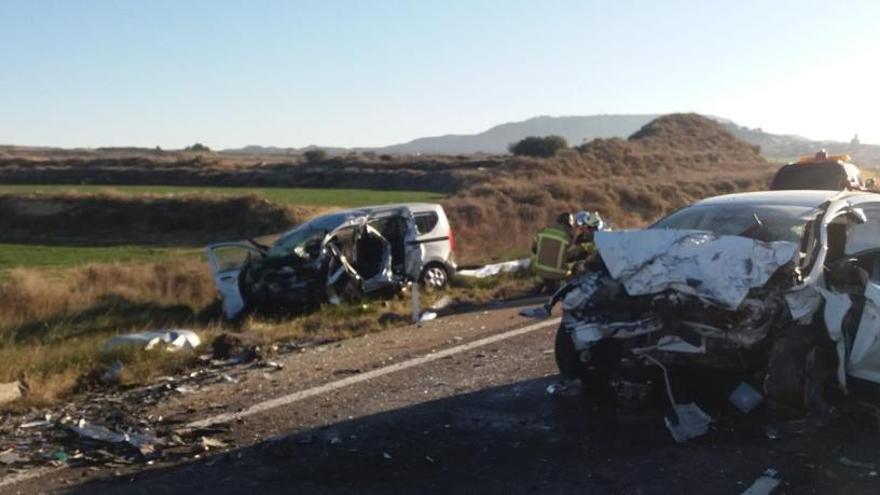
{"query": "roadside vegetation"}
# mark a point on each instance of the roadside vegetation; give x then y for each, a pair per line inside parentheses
(55, 323)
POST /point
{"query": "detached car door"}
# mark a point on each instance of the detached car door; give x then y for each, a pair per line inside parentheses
(226, 260)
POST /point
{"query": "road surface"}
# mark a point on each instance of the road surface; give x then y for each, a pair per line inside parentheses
(460, 405)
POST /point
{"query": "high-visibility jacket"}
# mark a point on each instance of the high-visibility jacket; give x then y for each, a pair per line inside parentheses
(551, 253)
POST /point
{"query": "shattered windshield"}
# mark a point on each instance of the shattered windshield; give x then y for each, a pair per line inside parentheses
(775, 222)
(315, 229)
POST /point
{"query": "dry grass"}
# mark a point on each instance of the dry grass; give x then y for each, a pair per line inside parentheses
(56, 323)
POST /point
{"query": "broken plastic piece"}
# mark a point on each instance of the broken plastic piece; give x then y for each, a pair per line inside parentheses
(745, 398)
(689, 420)
(765, 484)
(428, 316)
(173, 339)
(539, 312)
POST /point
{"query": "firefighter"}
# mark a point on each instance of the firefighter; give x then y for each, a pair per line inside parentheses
(583, 249)
(550, 251)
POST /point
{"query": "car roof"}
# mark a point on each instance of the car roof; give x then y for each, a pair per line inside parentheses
(789, 198)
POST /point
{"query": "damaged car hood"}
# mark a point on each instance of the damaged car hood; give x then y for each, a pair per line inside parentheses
(720, 269)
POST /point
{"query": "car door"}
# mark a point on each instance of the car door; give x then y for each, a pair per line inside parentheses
(226, 260)
(863, 243)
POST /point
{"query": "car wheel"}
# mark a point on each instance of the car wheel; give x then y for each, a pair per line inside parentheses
(567, 359)
(435, 276)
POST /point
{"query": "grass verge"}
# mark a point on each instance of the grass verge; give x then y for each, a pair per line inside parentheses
(55, 323)
(280, 195)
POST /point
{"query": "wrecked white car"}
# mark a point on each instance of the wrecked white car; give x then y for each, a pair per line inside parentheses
(781, 287)
(340, 256)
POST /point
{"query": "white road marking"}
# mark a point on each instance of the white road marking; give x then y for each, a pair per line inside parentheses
(369, 375)
(321, 389)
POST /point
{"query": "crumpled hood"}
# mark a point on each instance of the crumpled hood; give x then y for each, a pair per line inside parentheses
(720, 269)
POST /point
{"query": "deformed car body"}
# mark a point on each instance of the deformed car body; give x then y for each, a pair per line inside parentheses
(342, 255)
(768, 284)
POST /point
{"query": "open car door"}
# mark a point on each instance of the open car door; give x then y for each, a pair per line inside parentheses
(226, 260)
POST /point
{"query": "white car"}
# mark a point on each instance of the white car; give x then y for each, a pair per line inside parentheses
(342, 255)
(781, 287)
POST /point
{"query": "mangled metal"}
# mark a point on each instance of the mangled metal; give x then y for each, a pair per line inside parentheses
(731, 295)
(330, 259)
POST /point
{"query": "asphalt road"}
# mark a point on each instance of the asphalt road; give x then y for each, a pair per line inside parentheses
(478, 420)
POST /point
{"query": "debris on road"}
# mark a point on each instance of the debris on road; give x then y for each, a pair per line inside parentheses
(10, 391)
(171, 340)
(538, 312)
(745, 398)
(765, 484)
(428, 316)
(241, 348)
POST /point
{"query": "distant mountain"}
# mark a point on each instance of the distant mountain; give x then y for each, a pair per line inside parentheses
(579, 129)
(575, 130)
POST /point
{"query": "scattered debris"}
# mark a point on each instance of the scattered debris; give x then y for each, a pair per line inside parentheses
(688, 420)
(846, 461)
(567, 388)
(171, 340)
(386, 455)
(497, 269)
(539, 312)
(10, 391)
(745, 398)
(242, 348)
(765, 484)
(209, 443)
(10, 457)
(428, 316)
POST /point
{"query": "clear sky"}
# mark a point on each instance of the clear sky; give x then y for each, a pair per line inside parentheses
(371, 73)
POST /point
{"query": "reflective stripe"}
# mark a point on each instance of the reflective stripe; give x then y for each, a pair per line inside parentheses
(552, 246)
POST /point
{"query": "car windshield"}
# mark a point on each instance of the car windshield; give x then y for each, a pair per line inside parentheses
(780, 222)
(311, 230)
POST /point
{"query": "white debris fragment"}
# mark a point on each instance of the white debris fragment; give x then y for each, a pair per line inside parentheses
(765, 484)
(428, 316)
(720, 269)
(497, 269)
(171, 339)
(690, 422)
(745, 398)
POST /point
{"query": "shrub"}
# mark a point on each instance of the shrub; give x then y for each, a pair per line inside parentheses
(197, 147)
(546, 146)
(316, 155)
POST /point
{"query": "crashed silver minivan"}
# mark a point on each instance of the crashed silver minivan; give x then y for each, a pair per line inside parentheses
(780, 286)
(339, 256)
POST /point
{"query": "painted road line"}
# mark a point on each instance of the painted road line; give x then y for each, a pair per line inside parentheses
(369, 375)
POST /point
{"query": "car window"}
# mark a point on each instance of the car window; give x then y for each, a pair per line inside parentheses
(865, 237)
(230, 257)
(425, 222)
(781, 222)
(299, 237)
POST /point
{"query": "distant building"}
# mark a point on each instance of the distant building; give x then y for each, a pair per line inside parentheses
(855, 140)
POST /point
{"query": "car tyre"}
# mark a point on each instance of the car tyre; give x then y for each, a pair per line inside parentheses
(435, 276)
(567, 359)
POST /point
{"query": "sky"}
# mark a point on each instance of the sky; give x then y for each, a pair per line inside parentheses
(90, 73)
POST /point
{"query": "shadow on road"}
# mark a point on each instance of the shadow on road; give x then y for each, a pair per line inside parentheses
(509, 439)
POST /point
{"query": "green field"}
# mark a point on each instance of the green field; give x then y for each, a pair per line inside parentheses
(41, 256)
(282, 195)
